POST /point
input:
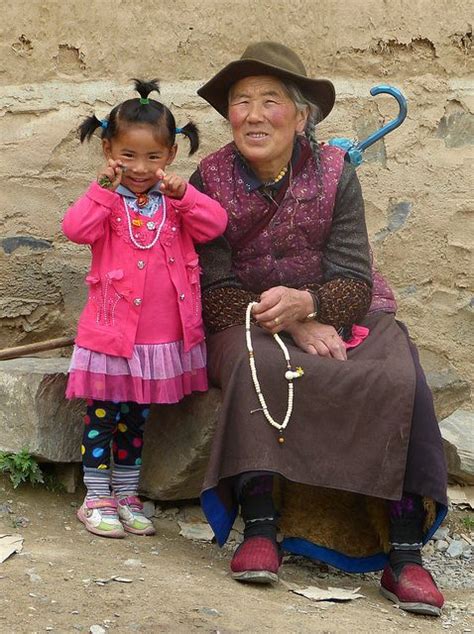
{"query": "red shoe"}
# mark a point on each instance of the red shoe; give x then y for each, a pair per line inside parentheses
(256, 560)
(413, 591)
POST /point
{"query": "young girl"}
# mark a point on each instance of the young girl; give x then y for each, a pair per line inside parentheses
(140, 337)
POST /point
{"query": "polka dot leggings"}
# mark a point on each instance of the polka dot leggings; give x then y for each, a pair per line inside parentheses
(119, 425)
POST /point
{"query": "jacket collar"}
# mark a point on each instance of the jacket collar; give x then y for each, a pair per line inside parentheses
(124, 191)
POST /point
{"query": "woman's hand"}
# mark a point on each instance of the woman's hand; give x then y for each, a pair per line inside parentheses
(280, 307)
(171, 185)
(316, 338)
(110, 176)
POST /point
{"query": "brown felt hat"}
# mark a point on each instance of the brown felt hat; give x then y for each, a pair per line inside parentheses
(268, 58)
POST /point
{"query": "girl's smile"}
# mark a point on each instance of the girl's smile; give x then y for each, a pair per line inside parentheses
(141, 153)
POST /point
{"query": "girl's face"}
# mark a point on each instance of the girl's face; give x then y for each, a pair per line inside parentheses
(142, 153)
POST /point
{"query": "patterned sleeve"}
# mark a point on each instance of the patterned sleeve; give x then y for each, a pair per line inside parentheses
(225, 307)
(341, 302)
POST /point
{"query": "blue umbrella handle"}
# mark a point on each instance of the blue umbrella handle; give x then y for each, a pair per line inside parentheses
(391, 125)
(354, 150)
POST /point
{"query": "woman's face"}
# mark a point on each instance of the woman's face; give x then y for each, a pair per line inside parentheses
(264, 123)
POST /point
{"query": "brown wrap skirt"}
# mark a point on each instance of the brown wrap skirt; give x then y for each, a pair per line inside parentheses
(362, 432)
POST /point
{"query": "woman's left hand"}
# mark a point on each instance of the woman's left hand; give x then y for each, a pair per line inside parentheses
(171, 185)
(280, 307)
(320, 339)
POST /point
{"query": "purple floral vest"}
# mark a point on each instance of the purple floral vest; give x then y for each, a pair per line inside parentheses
(288, 251)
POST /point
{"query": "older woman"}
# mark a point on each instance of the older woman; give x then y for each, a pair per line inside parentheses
(330, 435)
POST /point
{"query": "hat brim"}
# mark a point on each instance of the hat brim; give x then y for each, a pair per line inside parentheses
(319, 91)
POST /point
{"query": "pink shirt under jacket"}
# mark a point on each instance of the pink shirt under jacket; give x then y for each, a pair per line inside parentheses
(118, 271)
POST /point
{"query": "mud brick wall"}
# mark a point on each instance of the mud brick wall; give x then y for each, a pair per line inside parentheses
(63, 60)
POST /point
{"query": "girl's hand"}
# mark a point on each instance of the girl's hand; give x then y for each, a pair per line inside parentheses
(280, 307)
(110, 176)
(171, 185)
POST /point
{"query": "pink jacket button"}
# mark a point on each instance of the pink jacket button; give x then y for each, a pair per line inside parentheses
(137, 301)
(171, 260)
(182, 296)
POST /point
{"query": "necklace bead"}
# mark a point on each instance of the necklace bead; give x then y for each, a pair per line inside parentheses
(277, 178)
(158, 231)
(290, 375)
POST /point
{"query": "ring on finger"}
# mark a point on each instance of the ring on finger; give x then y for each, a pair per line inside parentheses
(276, 321)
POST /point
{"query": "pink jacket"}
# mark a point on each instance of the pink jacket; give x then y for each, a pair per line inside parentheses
(117, 276)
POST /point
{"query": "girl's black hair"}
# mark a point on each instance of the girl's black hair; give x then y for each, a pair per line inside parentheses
(141, 110)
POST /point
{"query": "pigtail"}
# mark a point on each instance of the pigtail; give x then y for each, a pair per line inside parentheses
(314, 117)
(89, 126)
(144, 88)
(191, 131)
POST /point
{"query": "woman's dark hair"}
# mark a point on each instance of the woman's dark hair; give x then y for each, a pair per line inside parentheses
(141, 110)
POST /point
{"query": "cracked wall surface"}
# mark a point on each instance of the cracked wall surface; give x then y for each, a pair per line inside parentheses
(62, 61)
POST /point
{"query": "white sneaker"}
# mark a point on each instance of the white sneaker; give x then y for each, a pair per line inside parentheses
(105, 524)
(130, 510)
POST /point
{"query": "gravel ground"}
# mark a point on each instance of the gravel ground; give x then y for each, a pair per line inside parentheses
(65, 580)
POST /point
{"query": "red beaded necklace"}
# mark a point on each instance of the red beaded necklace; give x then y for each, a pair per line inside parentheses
(142, 200)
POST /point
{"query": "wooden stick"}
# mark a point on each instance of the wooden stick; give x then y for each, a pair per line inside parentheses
(32, 348)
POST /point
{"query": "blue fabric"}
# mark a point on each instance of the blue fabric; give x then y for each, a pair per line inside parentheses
(154, 202)
(219, 517)
(222, 519)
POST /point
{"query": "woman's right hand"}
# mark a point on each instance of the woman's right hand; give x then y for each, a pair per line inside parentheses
(280, 307)
(320, 339)
(110, 176)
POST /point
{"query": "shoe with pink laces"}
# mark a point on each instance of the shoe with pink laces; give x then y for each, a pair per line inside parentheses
(100, 517)
(256, 560)
(130, 510)
(414, 590)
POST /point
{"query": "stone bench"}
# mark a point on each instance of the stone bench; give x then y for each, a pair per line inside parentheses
(35, 415)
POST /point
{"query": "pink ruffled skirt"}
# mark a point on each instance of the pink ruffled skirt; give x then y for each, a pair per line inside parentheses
(159, 373)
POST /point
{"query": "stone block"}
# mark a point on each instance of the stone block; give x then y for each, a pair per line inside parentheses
(458, 439)
(177, 446)
(34, 413)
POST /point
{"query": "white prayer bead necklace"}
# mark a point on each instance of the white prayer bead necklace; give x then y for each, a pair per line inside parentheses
(290, 374)
(158, 231)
